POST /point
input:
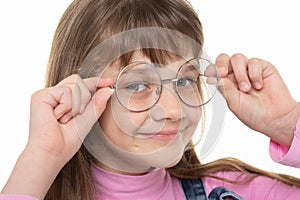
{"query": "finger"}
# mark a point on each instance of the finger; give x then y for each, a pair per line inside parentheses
(82, 91)
(223, 65)
(61, 109)
(96, 82)
(91, 83)
(239, 67)
(58, 99)
(85, 121)
(81, 96)
(61, 100)
(69, 80)
(255, 70)
(230, 92)
(66, 117)
(211, 75)
(89, 86)
(75, 100)
(78, 101)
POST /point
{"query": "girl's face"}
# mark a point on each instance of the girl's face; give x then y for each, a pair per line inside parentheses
(156, 137)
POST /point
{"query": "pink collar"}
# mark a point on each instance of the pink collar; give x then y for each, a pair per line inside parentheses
(157, 184)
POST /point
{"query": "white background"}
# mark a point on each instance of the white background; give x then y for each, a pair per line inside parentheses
(266, 29)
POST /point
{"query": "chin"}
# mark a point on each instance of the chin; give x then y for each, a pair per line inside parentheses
(173, 163)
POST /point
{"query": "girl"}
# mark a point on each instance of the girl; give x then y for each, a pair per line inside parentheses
(137, 137)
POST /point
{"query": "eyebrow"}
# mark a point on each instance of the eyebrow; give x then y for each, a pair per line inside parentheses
(140, 72)
(191, 67)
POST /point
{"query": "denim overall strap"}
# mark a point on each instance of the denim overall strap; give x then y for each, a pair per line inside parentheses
(220, 193)
(193, 189)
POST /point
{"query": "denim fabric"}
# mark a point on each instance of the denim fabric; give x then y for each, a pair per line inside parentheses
(194, 190)
(220, 193)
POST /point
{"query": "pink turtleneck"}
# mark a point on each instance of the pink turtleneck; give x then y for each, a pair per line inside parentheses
(157, 184)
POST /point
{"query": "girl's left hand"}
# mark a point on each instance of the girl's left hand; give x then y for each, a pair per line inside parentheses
(257, 95)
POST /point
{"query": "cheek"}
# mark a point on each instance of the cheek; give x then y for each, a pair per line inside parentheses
(119, 137)
(116, 119)
(194, 116)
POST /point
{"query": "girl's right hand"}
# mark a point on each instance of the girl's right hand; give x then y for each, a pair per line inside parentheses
(60, 118)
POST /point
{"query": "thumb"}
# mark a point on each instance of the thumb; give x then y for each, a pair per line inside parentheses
(100, 100)
(85, 121)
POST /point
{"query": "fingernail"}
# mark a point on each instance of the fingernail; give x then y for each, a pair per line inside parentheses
(222, 70)
(111, 90)
(244, 85)
(257, 85)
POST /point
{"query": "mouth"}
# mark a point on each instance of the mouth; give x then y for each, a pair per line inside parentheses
(165, 136)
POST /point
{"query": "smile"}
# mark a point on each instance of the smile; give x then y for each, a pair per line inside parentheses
(165, 136)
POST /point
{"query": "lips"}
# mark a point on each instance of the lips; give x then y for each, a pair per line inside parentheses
(162, 135)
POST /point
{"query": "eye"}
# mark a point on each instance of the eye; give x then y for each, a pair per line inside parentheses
(137, 86)
(186, 82)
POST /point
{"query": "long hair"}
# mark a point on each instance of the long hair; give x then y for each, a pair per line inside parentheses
(87, 23)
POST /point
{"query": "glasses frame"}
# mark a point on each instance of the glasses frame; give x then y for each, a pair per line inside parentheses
(163, 81)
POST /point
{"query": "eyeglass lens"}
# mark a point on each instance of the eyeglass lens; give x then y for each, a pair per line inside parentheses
(139, 84)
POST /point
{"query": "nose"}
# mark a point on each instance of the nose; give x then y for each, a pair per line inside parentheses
(169, 106)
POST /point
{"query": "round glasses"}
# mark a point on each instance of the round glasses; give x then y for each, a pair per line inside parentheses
(139, 85)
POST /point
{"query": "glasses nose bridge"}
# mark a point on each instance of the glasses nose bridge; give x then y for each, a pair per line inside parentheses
(169, 80)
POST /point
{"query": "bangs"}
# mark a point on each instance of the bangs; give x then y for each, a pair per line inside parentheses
(160, 56)
(162, 30)
(160, 45)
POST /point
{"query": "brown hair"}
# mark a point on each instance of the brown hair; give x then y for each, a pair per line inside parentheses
(84, 25)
